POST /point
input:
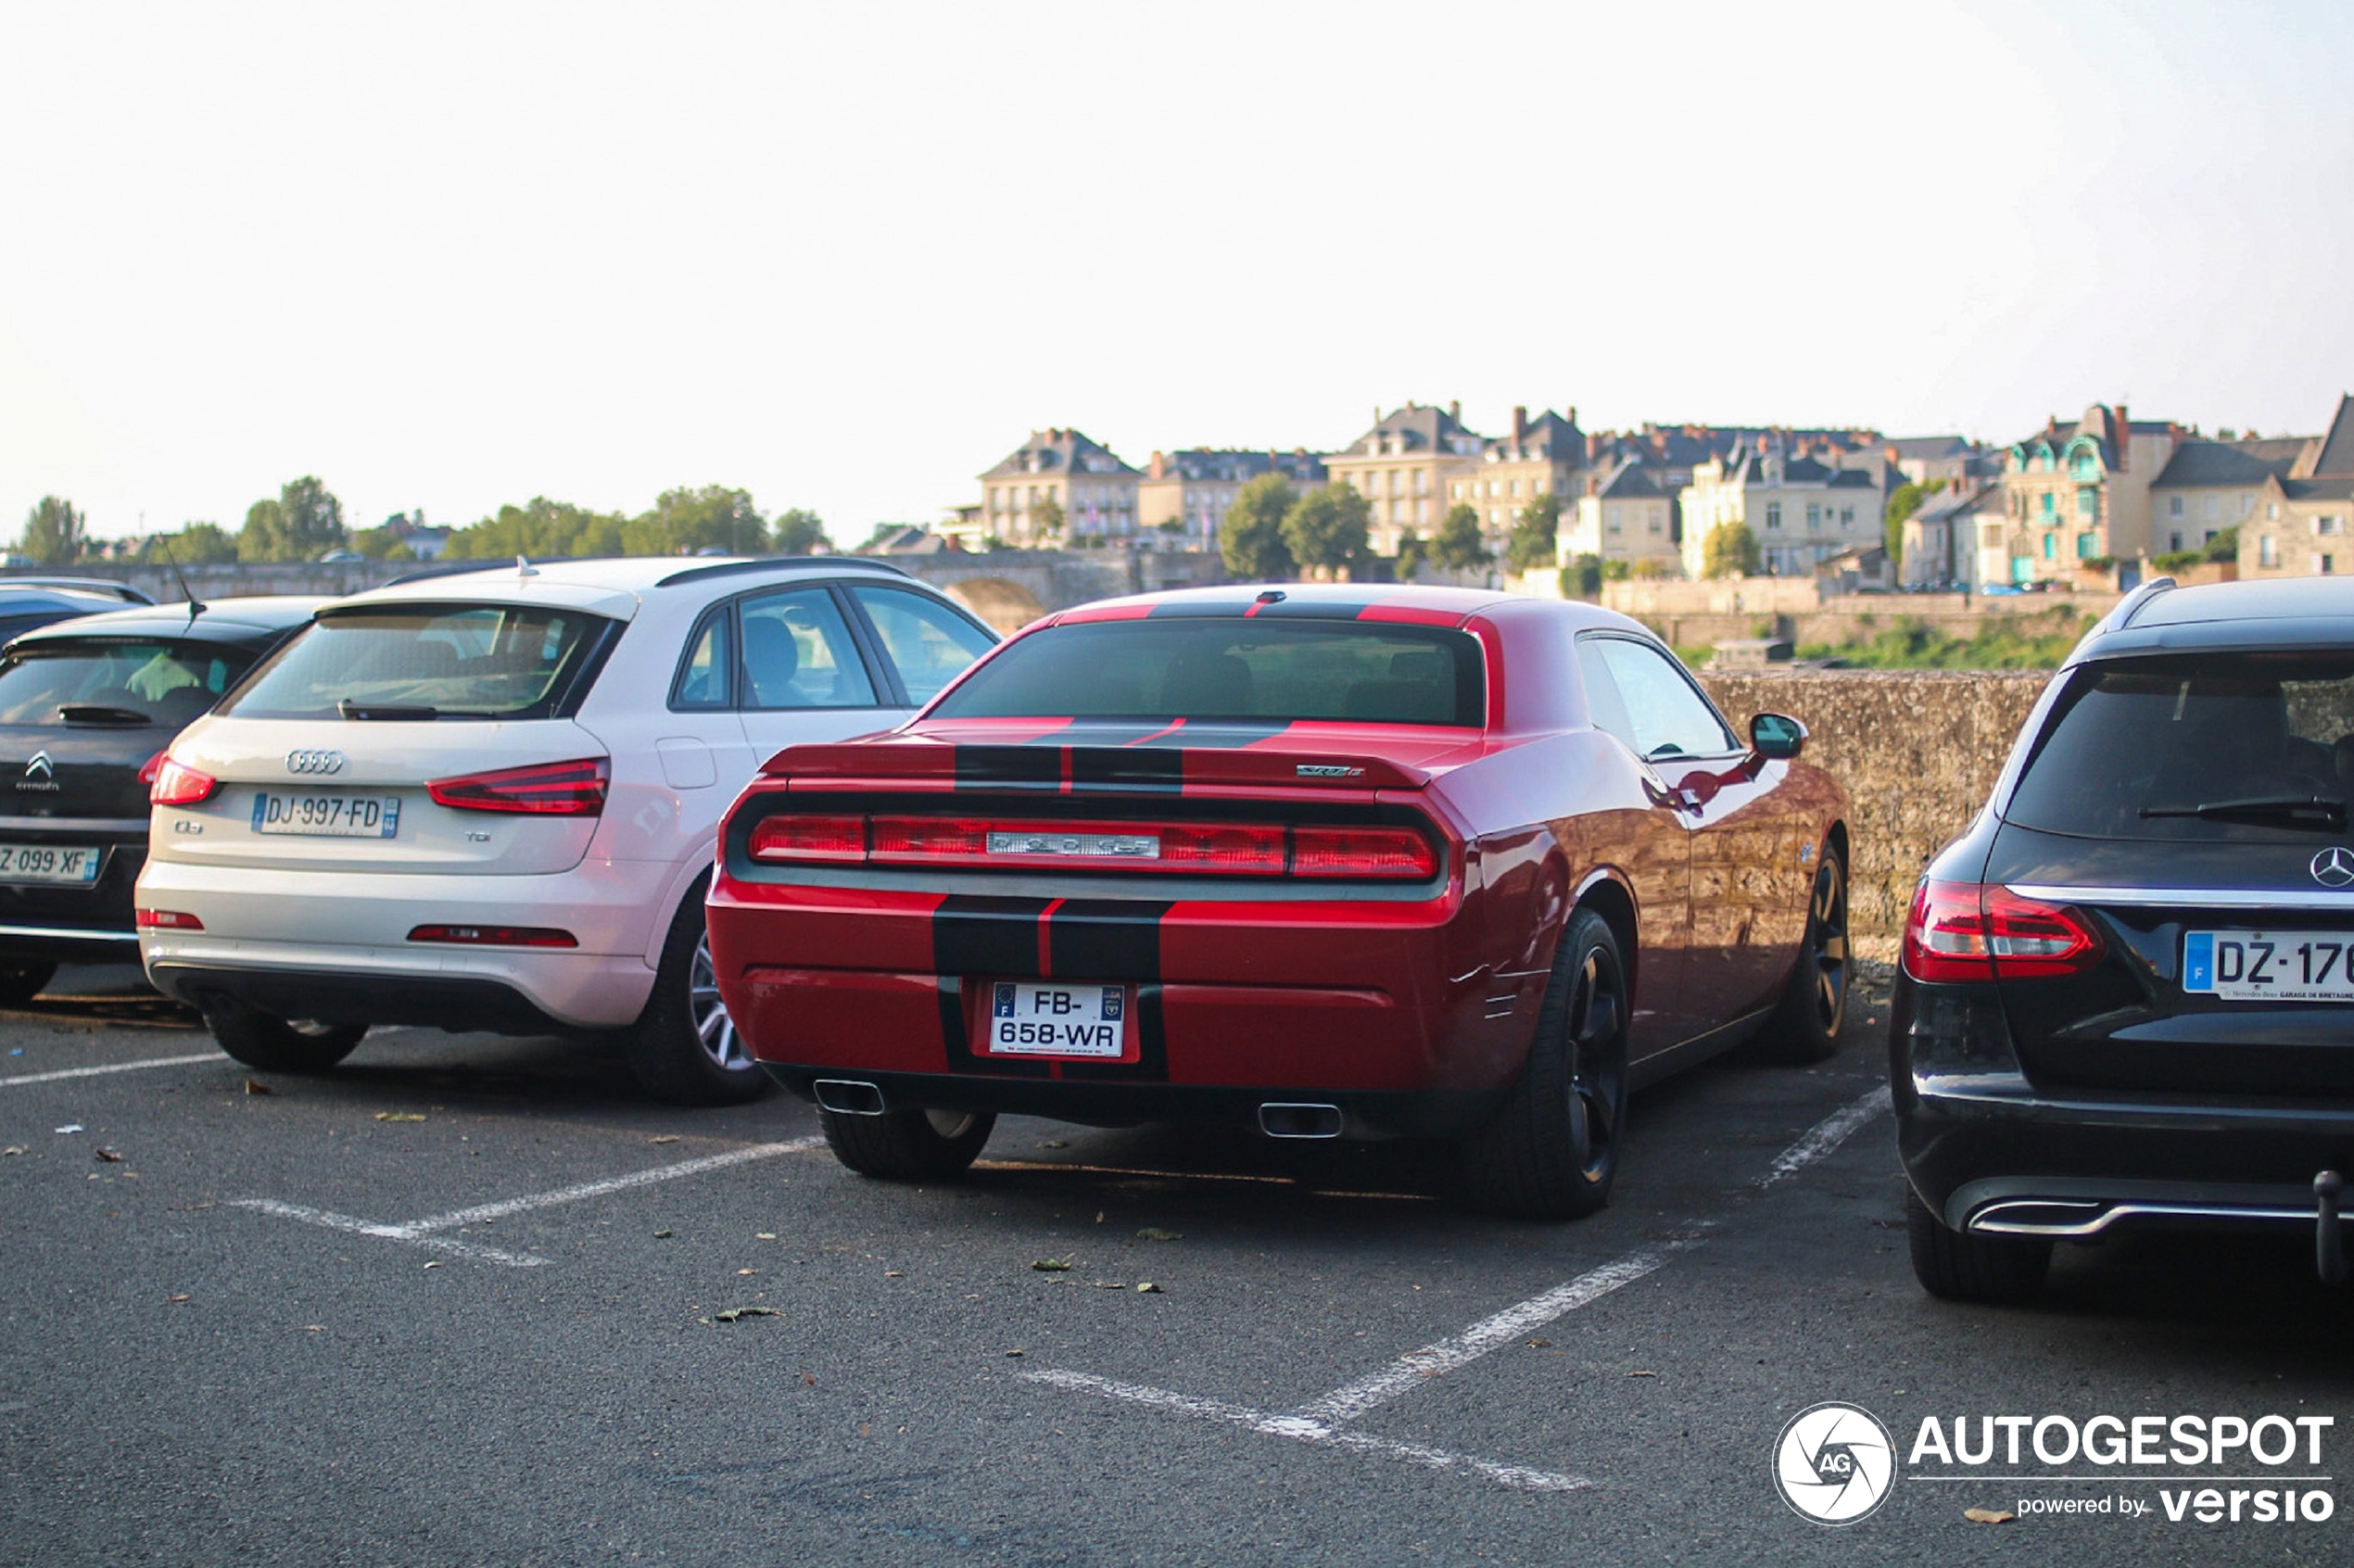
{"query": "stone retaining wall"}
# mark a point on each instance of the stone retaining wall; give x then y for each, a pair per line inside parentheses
(1917, 750)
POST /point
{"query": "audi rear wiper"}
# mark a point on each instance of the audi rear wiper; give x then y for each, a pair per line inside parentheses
(98, 713)
(389, 712)
(2313, 812)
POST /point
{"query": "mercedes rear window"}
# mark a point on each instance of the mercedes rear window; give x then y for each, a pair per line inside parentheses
(125, 683)
(2217, 748)
(1231, 668)
(427, 662)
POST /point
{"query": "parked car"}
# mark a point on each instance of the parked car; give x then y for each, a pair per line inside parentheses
(486, 801)
(1321, 860)
(87, 706)
(2124, 1002)
(106, 588)
(27, 604)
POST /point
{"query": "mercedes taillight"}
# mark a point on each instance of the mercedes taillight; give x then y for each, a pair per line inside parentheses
(1959, 932)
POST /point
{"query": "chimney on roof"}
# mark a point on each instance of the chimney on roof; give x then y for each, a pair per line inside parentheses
(1572, 413)
(1520, 423)
(1593, 445)
(1159, 467)
(1455, 410)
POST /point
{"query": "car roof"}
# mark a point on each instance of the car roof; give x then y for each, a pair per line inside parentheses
(236, 619)
(1325, 599)
(607, 586)
(2285, 612)
(122, 593)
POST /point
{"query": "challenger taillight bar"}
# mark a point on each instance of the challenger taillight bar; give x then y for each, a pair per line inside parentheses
(1250, 849)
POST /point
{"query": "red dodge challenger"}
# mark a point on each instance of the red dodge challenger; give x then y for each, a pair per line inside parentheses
(1327, 860)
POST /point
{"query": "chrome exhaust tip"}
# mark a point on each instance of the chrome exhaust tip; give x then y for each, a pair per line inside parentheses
(1279, 1120)
(848, 1096)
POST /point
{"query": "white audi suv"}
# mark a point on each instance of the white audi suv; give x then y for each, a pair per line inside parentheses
(486, 801)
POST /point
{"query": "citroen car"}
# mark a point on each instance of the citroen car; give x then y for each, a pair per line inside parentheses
(1320, 861)
(2125, 1000)
(485, 800)
(87, 706)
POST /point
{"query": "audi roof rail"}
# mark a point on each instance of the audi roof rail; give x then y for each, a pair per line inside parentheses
(2130, 605)
(771, 562)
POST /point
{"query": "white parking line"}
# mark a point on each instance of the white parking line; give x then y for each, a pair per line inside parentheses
(1300, 1429)
(112, 1067)
(1827, 1135)
(420, 1233)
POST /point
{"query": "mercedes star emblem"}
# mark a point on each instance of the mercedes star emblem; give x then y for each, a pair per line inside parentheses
(2333, 868)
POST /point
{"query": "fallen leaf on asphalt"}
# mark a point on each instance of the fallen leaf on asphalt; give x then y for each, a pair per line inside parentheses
(893, 1274)
(1051, 1265)
(665, 1138)
(70, 1126)
(1099, 1217)
(732, 1313)
(315, 1328)
(1148, 1288)
(1111, 1285)
(12, 1149)
(1540, 1345)
(401, 1116)
(1642, 1375)
(763, 1235)
(107, 1155)
(742, 1272)
(175, 1298)
(255, 1086)
(1017, 1352)
(1989, 1515)
(435, 1264)
(809, 1380)
(1054, 1144)
(665, 1235)
(1151, 1234)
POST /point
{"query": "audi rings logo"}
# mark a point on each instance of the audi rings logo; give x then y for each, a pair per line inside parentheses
(2333, 868)
(314, 762)
(1834, 1463)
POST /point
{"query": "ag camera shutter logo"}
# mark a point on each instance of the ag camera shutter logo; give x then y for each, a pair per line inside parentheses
(1834, 1463)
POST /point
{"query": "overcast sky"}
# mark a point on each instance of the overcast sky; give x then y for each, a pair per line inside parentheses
(846, 256)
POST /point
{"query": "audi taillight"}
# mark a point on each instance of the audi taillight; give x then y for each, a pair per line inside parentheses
(177, 784)
(495, 936)
(991, 843)
(1962, 932)
(1362, 852)
(564, 788)
(165, 920)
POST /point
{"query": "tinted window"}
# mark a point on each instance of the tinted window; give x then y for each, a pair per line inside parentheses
(928, 643)
(122, 683)
(427, 661)
(798, 653)
(1647, 700)
(705, 681)
(1232, 669)
(2165, 735)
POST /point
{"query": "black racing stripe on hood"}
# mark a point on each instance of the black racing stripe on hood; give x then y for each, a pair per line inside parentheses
(975, 934)
(979, 766)
(1106, 939)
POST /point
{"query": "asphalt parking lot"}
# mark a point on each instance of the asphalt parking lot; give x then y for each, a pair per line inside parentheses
(471, 1299)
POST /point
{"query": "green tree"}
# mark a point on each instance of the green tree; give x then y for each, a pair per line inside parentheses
(1730, 551)
(797, 532)
(53, 532)
(196, 544)
(1251, 541)
(543, 528)
(1459, 546)
(303, 523)
(1326, 528)
(1413, 554)
(683, 521)
(1046, 518)
(1535, 536)
(2225, 546)
(1903, 502)
(1584, 579)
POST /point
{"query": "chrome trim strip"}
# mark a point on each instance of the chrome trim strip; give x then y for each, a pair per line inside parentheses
(1980, 1224)
(68, 933)
(2192, 898)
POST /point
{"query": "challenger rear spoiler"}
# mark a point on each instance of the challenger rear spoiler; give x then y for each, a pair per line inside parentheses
(918, 762)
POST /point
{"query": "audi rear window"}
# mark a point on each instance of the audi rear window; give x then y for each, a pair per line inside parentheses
(123, 683)
(2217, 749)
(1231, 668)
(428, 662)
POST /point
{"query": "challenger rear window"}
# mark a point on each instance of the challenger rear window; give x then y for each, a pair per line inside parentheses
(1231, 668)
(2219, 747)
(111, 683)
(427, 661)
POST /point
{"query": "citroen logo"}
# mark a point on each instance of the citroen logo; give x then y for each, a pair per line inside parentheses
(314, 762)
(39, 766)
(2333, 868)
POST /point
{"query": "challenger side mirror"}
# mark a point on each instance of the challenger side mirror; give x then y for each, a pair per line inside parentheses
(1777, 737)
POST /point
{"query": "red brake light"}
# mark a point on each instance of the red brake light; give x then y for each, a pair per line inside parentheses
(1362, 852)
(176, 784)
(809, 838)
(148, 769)
(165, 920)
(495, 936)
(565, 789)
(1965, 932)
(1214, 846)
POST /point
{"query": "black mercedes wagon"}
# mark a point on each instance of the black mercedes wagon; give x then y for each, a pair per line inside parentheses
(2127, 994)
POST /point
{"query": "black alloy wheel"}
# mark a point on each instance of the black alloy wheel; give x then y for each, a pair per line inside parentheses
(1552, 1150)
(1805, 1026)
(907, 1145)
(684, 1048)
(276, 1044)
